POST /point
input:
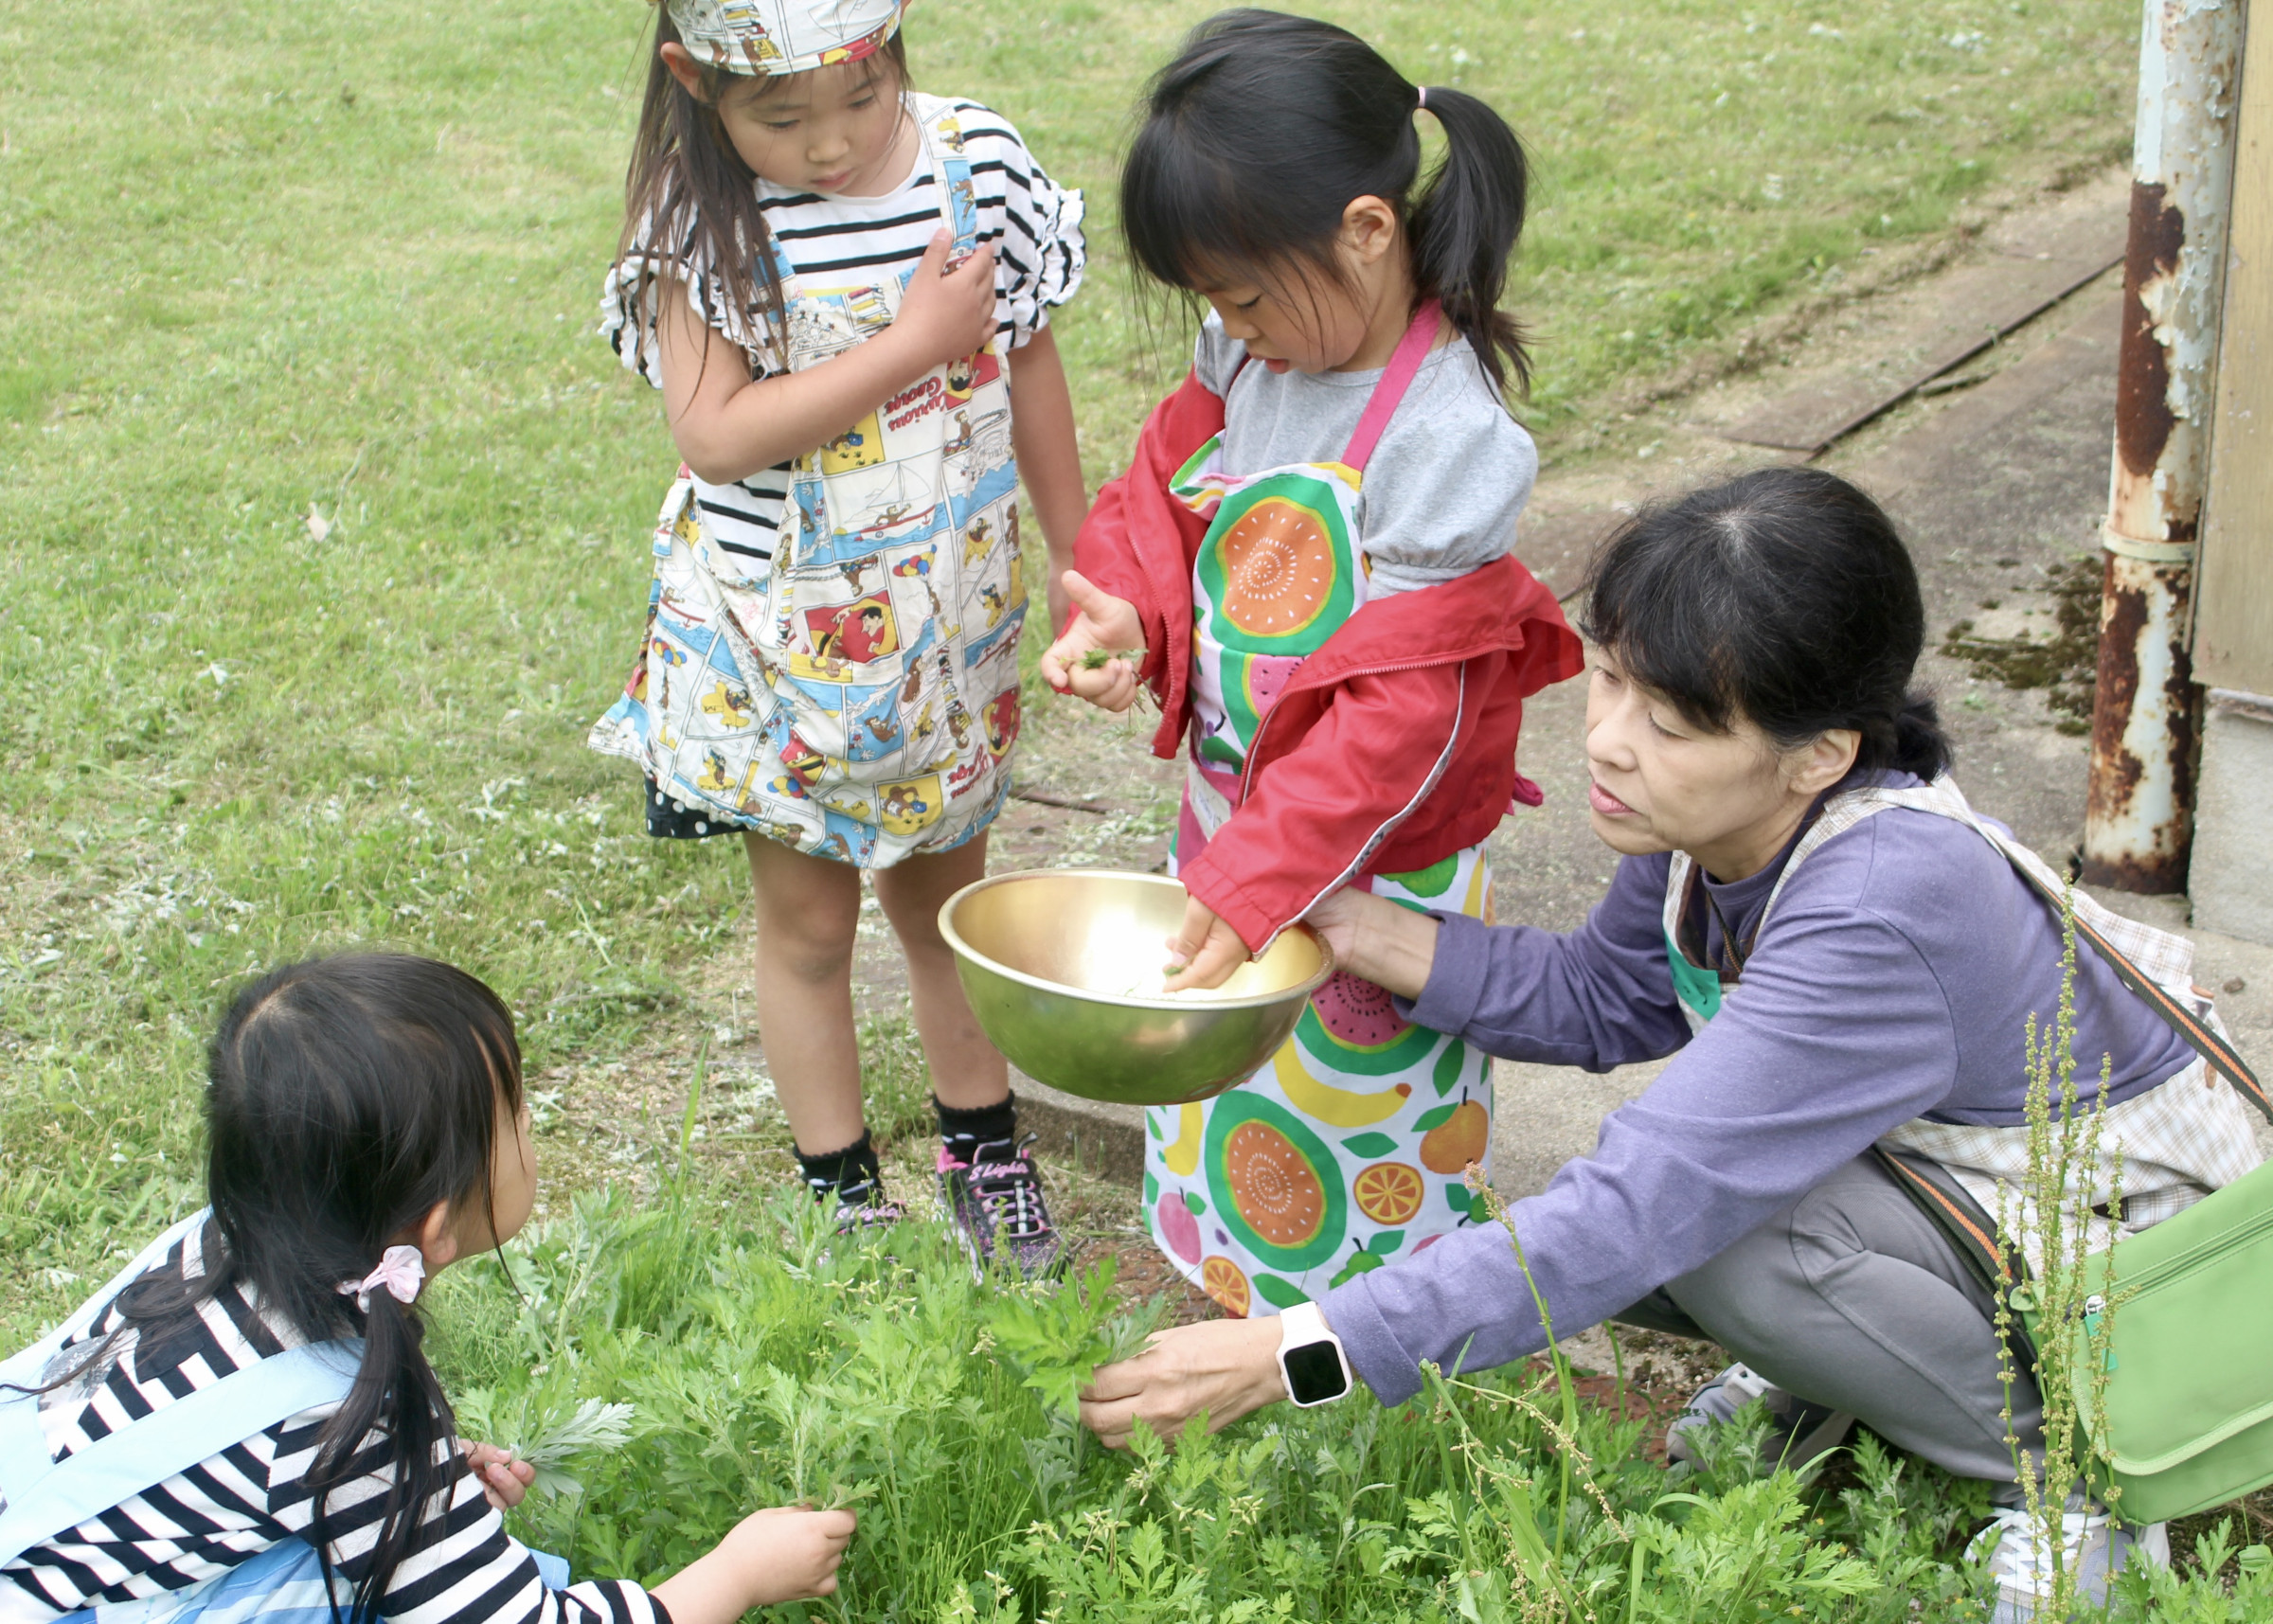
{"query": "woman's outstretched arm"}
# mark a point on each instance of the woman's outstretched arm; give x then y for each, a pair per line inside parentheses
(1597, 997)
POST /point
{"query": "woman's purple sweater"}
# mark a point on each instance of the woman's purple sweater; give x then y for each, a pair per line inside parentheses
(1894, 979)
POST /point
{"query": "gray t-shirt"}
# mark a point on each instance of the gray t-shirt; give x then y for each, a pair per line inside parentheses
(1441, 491)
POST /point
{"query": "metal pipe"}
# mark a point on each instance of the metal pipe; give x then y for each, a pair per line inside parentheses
(2139, 814)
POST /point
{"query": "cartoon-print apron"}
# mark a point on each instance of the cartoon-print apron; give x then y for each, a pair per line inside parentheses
(858, 699)
(1349, 1147)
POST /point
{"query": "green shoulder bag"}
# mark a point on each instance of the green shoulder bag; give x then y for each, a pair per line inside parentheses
(2186, 1416)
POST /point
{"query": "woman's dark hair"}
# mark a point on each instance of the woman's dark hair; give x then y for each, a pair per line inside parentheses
(1783, 596)
(1266, 127)
(346, 1098)
(690, 203)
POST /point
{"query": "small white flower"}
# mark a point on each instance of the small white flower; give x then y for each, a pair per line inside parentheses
(216, 672)
(1771, 187)
(319, 528)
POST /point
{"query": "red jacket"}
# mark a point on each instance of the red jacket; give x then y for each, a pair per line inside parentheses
(1390, 748)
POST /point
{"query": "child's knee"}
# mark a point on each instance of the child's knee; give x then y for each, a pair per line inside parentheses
(810, 947)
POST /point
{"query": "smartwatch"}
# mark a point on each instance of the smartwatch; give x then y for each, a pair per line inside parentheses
(1310, 1358)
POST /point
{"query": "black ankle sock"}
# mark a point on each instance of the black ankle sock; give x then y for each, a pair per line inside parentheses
(963, 1132)
(850, 1175)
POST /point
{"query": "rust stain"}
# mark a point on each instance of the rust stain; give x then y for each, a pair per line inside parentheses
(2115, 771)
(2142, 383)
(2153, 859)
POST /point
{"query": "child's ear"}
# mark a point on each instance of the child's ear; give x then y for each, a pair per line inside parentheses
(683, 67)
(1369, 227)
(437, 1238)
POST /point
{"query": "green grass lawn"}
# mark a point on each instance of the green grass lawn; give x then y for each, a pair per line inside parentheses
(324, 518)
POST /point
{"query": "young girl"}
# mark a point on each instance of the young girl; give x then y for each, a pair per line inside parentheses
(843, 289)
(243, 1423)
(1308, 558)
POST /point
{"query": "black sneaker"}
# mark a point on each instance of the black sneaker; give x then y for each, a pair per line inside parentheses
(995, 1204)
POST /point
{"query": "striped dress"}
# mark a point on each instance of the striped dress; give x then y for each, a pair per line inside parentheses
(234, 1505)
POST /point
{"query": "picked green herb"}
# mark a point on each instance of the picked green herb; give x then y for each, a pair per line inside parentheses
(1096, 659)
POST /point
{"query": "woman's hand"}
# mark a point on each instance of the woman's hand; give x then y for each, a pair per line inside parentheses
(1227, 1367)
(946, 315)
(1207, 948)
(504, 1478)
(786, 1553)
(1104, 622)
(1377, 939)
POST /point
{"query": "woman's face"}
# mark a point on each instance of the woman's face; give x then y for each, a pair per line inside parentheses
(836, 130)
(1662, 784)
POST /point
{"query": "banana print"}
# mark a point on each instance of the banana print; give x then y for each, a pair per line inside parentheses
(1336, 1107)
(1184, 1155)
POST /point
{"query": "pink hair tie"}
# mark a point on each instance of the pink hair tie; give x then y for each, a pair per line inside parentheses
(1420, 98)
(400, 1273)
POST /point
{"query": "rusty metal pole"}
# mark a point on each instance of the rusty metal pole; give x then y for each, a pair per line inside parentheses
(2138, 816)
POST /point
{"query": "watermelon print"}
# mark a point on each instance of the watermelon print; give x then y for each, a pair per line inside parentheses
(1351, 1047)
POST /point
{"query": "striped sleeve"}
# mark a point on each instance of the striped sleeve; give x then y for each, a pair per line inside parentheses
(462, 1567)
(1034, 224)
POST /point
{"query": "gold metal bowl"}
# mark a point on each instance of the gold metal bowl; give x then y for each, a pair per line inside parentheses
(1062, 968)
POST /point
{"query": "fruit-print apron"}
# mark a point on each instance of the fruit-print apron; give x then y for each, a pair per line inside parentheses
(1349, 1148)
(859, 698)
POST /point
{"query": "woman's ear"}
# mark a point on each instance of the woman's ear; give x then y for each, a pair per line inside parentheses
(1825, 761)
(1368, 229)
(683, 67)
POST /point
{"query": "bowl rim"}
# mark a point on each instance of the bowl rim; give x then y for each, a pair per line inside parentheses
(1326, 964)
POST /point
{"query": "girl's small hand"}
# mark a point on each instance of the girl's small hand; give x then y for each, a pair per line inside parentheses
(947, 314)
(1208, 950)
(504, 1479)
(1104, 622)
(791, 1554)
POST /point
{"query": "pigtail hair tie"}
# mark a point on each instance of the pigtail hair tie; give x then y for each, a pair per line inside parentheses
(1421, 99)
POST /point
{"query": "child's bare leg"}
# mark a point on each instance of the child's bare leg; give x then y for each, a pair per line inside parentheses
(966, 1070)
(808, 912)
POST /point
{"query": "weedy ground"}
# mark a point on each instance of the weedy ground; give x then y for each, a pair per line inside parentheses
(754, 1357)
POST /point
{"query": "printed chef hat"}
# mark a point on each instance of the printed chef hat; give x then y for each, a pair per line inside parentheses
(783, 36)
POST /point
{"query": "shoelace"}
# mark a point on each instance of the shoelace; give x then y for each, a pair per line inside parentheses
(2025, 1562)
(1012, 1194)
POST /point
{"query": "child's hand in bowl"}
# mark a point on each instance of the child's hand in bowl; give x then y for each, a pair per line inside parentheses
(1106, 625)
(1205, 951)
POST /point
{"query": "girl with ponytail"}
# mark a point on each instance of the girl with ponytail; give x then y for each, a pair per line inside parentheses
(1310, 557)
(244, 1421)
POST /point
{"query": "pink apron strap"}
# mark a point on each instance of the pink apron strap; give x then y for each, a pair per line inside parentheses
(1411, 350)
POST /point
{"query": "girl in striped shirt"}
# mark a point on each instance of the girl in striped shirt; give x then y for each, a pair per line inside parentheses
(243, 1424)
(843, 290)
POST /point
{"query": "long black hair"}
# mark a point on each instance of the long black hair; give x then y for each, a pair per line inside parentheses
(1784, 597)
(690, 203)
(346, 1098)
(1266, 127)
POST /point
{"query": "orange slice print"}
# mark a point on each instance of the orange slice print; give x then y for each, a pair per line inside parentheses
(1388, 1193)
(1220, 1279)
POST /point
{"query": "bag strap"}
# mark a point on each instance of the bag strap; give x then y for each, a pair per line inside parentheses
(120, 1465)
(2219, 1053)
(1954, 1211)
(1405, 365)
